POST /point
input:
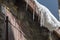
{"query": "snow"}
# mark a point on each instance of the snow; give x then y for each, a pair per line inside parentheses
(47, 18)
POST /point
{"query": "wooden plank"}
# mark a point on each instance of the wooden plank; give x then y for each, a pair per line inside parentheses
(57, 32)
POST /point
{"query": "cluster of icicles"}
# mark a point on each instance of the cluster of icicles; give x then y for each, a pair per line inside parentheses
(48, 20)
(27, 8)
(41, 20)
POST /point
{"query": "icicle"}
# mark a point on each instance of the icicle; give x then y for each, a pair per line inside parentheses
(34, 10)
(37, 11)
(50, 36)
(33, 15)
(41, 20)
(27, 5)
(39, 17)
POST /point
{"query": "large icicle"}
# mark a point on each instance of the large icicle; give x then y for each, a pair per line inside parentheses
(42, 18)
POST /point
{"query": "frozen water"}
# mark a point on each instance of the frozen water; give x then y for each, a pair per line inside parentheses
(47, 18)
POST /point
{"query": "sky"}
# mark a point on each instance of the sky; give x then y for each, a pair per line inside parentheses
(52, 5)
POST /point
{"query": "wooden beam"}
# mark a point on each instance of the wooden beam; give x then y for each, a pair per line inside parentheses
(57, 32)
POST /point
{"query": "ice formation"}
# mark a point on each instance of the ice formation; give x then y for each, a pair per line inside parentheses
(27, 4)
(47, 18)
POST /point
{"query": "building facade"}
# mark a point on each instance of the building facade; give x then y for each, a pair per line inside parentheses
(21, 25)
